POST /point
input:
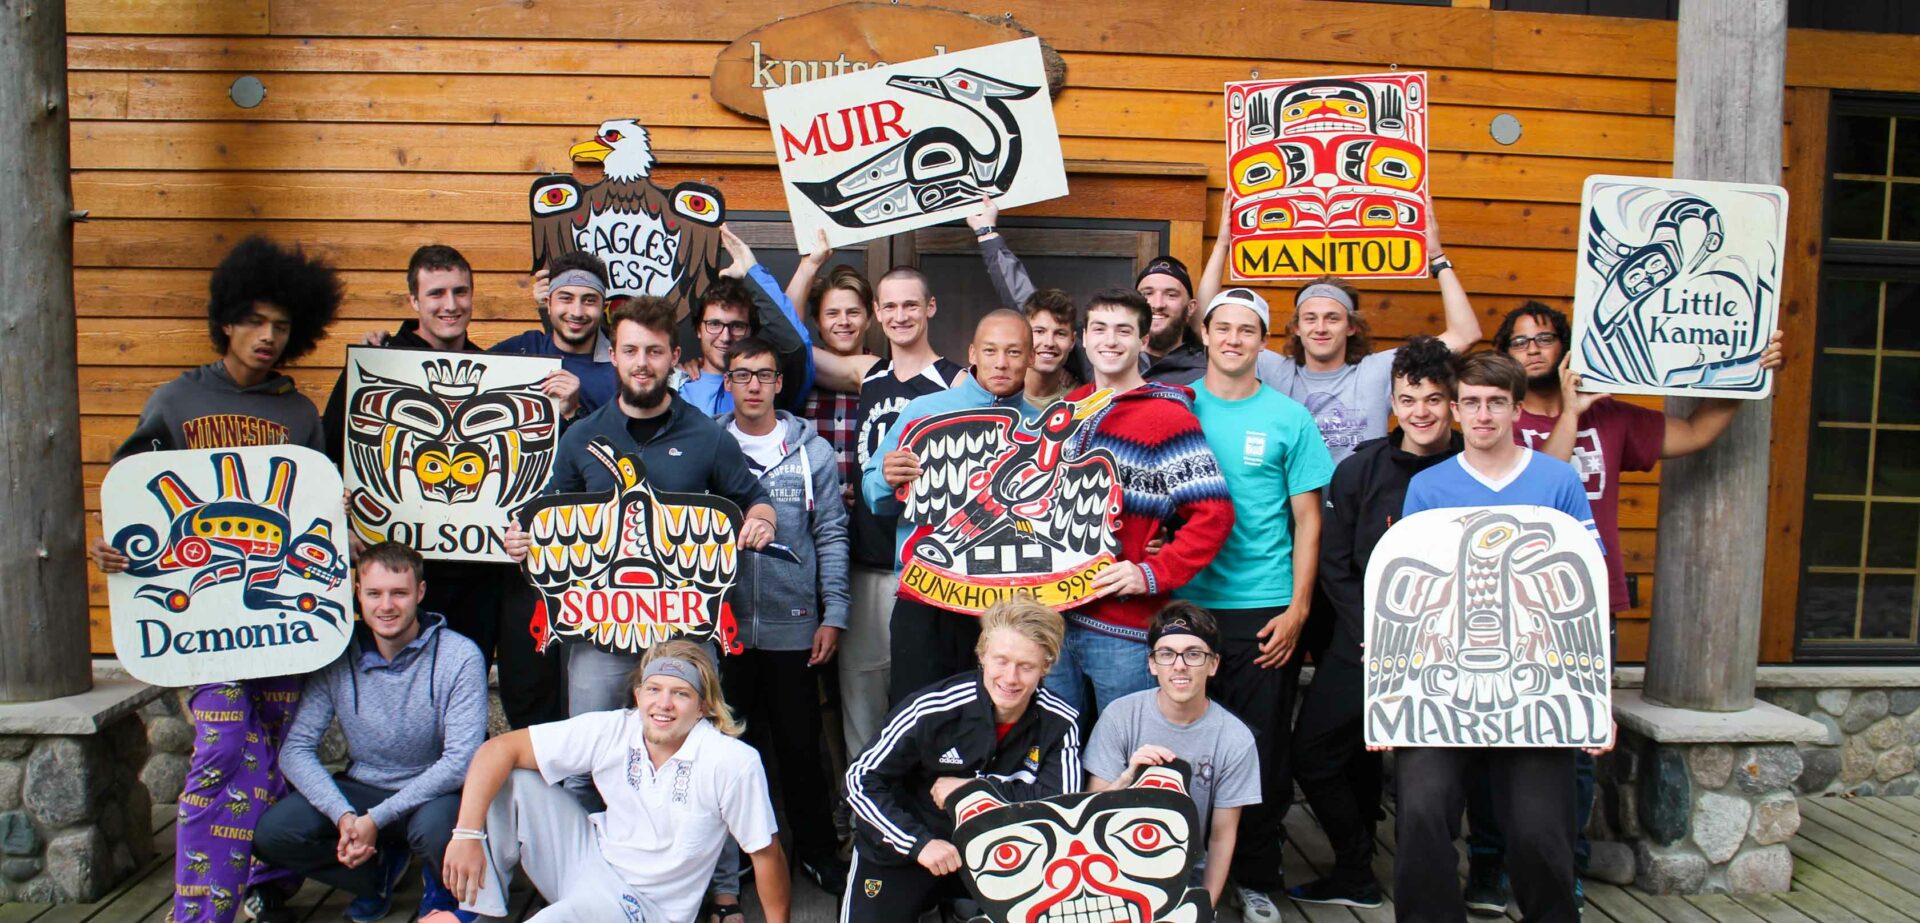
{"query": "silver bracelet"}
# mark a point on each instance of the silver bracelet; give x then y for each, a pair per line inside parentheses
(468, 833)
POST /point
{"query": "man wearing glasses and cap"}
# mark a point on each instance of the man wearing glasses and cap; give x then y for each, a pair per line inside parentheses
(1261, 584)
(1175, 720)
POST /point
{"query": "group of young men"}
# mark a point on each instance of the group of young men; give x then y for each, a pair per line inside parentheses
(1254, 484)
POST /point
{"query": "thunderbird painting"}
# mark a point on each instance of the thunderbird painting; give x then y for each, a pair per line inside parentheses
(441, 447)
(1678, 286)
(890, 149)
(1002, 507)
(1328, 176)
(626, 569)
(237, 567)
(1487, 628)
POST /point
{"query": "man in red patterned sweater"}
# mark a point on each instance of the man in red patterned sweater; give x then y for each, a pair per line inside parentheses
(1168, 478)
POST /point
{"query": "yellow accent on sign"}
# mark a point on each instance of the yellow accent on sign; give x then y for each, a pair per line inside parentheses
(1059, 591)
(1340, 256)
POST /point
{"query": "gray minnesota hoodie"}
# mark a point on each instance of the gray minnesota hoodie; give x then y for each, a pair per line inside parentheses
(205, 408)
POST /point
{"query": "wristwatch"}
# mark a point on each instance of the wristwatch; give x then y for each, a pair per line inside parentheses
(1438, 263)
(982, 231)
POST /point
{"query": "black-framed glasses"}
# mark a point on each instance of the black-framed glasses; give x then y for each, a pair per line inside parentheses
(1542, 340)
(1494, 405)
(742, 376)
(1193, 656)
(738, 328)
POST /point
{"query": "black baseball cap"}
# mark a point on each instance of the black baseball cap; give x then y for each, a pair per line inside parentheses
(1167, 266)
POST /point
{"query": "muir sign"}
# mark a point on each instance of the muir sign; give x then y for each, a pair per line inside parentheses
(854, 37)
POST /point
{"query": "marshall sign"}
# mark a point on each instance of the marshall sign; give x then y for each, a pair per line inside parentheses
(854, 37)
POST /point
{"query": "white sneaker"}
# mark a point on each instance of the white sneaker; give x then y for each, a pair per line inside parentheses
(1255, 905)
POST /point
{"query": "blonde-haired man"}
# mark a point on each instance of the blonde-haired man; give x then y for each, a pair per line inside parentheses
(676, 781)
(993, 723)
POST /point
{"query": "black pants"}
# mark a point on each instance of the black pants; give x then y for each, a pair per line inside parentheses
(293, 835)
(778, 695)
(888, 893)
(1533, 799)
(533, 686)
(1264, 699)
(1340, 779)
(928, 645)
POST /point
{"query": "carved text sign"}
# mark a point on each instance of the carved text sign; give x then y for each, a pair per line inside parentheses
(849, 38)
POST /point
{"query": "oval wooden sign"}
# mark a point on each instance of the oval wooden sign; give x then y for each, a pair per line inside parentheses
(851, 37)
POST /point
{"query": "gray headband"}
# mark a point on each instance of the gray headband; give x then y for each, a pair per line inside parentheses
(579, 277)
(1325, 290)
(678, 669)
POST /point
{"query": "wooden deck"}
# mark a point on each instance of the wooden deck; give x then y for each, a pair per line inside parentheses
(1856, 861)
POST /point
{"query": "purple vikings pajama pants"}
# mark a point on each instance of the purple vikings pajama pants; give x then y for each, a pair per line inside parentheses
(232, 780)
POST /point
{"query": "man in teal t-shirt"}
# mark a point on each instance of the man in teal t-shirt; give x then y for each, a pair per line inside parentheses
(1260, 585)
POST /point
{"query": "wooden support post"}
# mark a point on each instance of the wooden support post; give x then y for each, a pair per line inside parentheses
(43, 578)
(1704, 640)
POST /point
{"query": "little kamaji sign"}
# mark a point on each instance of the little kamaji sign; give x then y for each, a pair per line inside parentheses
(850, 38)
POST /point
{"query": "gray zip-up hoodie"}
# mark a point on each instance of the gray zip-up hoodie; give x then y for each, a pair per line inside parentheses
(412, 723)
(777, 604)
(205, 408)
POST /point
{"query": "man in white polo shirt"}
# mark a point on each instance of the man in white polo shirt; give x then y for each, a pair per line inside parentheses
(676, 782)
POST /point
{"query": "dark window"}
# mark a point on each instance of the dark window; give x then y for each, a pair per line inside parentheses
(1078, 256)
(1860, 557)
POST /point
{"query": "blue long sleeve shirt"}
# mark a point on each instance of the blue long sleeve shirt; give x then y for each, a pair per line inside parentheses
(780, 325)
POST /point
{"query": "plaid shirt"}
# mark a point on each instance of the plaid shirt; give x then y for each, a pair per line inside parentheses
(836, 415)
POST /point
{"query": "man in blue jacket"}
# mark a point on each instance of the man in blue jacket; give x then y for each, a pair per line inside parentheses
(790, 613)
(683, 450)
(411, 697)
(930, 644)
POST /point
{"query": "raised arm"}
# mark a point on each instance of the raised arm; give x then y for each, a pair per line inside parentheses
(801, 285)
(1463, 328)
(1009, 275)
(1712, 416)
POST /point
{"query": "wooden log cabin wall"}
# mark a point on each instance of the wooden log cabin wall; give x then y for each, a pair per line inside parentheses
(388, 124)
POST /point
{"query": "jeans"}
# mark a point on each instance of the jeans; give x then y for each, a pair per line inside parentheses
(1115, 667)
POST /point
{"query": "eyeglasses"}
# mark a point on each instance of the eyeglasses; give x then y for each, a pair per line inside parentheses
(1542, 340)
(1193, 656)
(1494, 405)
(742, 376)
(738, 328)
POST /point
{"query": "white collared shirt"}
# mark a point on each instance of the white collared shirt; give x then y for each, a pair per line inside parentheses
(663, 828)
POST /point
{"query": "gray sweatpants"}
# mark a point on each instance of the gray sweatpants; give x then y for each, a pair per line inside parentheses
(543, 828)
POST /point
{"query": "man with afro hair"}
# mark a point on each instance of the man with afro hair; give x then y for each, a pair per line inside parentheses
(269, 305)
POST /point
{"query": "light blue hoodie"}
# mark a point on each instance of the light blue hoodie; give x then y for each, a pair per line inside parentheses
(412, 723)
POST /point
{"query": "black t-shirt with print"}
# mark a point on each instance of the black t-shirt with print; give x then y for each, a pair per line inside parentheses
(882, 396)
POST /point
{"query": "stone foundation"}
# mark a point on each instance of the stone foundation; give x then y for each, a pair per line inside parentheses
(75, 818)
(1703, 817)
(1706, 798)
(1872, 738)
